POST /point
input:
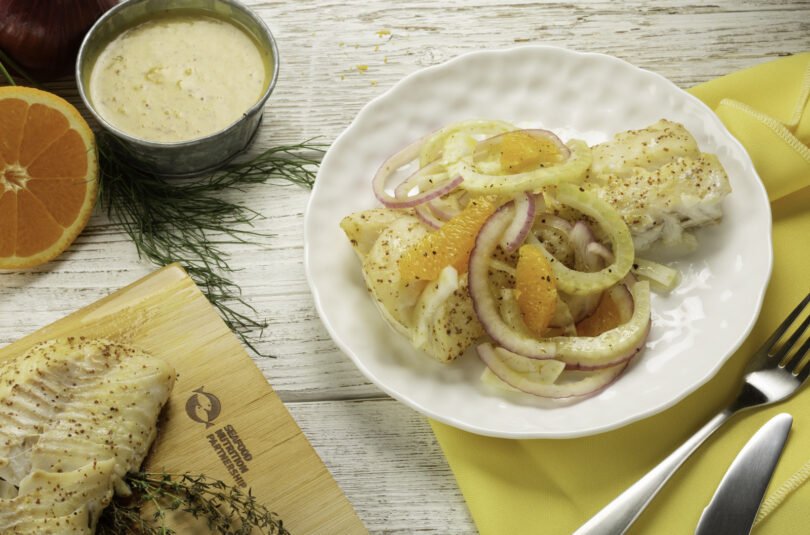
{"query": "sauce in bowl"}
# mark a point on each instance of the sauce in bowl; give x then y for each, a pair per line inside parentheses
(178, 76)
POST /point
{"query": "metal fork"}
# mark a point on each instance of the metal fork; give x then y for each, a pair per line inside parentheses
(771, 375)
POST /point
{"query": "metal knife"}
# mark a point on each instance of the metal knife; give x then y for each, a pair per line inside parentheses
(734, 506)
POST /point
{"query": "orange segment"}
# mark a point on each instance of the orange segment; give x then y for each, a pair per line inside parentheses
(65, 158)
(605, 317)
(8, 223)
(43, 126)
(536, 289)
(449, 245)
(63, 199)
(48, 176)
(521, 152)
(12, 121)
(33, 239)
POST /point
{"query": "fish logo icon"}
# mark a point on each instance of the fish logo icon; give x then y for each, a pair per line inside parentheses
(203, 407)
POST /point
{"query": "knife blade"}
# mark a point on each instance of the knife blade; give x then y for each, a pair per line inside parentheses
(733, 508)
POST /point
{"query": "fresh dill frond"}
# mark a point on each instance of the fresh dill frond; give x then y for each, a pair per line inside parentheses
(6, 73)
(6, 60)
(226, 509)
(188, 220)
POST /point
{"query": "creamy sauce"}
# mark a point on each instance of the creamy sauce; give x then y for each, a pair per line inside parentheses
(177, 77)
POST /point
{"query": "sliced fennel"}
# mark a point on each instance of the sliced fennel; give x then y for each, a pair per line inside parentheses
(584, 283)
(663, 277)
(571, 170)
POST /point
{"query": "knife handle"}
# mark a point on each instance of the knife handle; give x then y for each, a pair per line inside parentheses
(619, 515)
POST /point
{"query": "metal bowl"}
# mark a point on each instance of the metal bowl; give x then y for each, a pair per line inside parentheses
(196, 156)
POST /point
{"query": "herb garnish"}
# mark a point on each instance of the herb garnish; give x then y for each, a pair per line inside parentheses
(227, 509)
(13, 66)
(185, 221)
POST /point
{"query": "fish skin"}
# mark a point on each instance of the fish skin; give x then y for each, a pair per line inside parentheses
(75, 416)
(660, 183)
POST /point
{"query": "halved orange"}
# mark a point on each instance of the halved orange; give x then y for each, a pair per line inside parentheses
(450, 245)
(48, 176)
(536, 289)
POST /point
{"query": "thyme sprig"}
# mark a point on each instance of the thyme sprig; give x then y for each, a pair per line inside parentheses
(188, 220)
(226, 509)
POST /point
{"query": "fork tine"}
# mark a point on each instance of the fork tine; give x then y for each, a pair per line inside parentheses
(797, 358)
(777, 334)
(790, 342)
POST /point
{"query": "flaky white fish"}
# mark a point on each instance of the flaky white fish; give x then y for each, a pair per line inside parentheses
(436, 316)
(660, 183)
(75, 416)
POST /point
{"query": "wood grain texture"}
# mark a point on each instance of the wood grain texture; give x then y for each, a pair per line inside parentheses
(381, 453)
(222, 419)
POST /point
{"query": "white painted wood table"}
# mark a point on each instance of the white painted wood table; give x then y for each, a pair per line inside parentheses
(335, 57)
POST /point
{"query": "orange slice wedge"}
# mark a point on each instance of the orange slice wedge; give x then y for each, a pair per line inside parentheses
(48, 176)
(450, 245)
(536, 289)
(606, 316)
(521, 152)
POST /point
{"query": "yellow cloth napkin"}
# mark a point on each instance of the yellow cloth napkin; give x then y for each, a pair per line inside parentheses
(553, 486)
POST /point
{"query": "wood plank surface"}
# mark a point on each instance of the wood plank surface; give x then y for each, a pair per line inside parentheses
(382, 454)
(222, 419)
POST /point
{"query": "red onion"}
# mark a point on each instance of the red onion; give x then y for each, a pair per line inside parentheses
(521, 224)
(591, 384)
(598, 249)
(607, 349)
(580, 237)
(43, 36)
(396, 161)
(616, 359)
(554, 221)
(443, 209)
(427, 217)
(484, 302)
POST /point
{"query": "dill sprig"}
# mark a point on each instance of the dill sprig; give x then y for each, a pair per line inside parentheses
(227, 509)
(188, 221)
(6, 60)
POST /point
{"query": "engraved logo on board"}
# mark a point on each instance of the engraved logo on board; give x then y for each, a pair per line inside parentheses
(203, 407)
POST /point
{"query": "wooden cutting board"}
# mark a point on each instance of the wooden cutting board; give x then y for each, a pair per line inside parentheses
(223, 419)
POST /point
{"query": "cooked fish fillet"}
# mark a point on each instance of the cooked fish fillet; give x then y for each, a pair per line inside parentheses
(440, 323)
(75, 416)
(660, 182)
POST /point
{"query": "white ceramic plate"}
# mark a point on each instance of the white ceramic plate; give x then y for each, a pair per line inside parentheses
(590, 96)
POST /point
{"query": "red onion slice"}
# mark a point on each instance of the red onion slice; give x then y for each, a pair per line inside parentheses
(427, 217)
(443, 208)
(588, 385)
(484, 303)
(607, 349)
(583, 283)
(554, 221)
(395, 162)
(580, 237)
(521, 224)
(596, 249)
